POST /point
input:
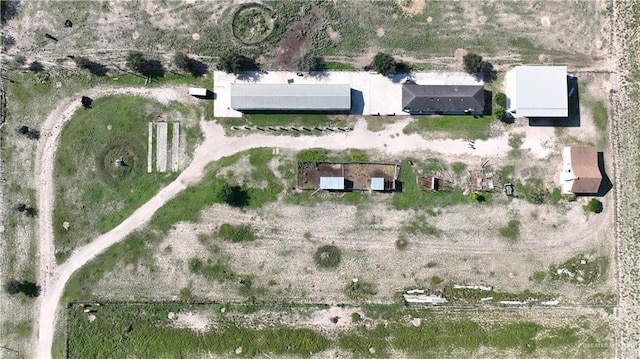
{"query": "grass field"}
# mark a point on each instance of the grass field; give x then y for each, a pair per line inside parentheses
(463, 127)
(93, 195)
(146, 330)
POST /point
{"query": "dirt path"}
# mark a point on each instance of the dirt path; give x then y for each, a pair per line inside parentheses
(215, 146)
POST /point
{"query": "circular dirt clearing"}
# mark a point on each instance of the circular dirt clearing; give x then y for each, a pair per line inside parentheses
(252, 23)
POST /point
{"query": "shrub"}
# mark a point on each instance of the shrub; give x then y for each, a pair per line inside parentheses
(359, 289)
(241, 233)
(539, 276)
(472, 63)
(402, 243)
(512, 230)
(499, 113)
(501, 99)
(435, 280)
(355, 317)
(308, 62)
(571, 198)
(327, 256)
(181, 61)
(233, 62)
(383, 63)
(594, 206)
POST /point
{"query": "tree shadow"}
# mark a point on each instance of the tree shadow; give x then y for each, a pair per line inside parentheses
(197, 68)
(605, 185)
(87, 102)
(488, 74)
(97, 69)
(8, 10)
(153, 69)
(250, 76)
(238, 197)
(573, 120)
(29, 289)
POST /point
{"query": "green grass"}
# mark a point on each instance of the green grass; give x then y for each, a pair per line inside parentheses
(309, 120)
(511, 230)
(20, 329)
(418, 226)
(412, 197)
(91, 194)
(462, 127)
(585, 273)
(239, 233)
(539, 276)
(313, 154)
(601, 117)
(327, 256)
(152, 336)
(337, 66)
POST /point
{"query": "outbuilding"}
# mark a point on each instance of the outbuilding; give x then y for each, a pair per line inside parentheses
(443, 99)
(328, 98)
(537, 91)
(580, 171)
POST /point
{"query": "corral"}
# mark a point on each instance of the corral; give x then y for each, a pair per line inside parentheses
(357, 176)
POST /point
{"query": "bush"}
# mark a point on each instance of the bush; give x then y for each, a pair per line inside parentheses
(241, 233)
(181, 61)
(355, 317)
(512, 230)
(82, 62)
(593, 206)
(233, 62)
(136, 61)
(402, 243)
(571, 198)
(501, 99)
(29, 289)
(359, 289)
(499, 113)
(435, 280)
(383, 63)
(472, 63)
(327, 256)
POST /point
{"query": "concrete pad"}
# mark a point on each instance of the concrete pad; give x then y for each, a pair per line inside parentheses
(175, 147)
(150, 149)
(371, 93)
(161, 146)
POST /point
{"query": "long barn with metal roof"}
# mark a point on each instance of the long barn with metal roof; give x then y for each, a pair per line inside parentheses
(291, 97)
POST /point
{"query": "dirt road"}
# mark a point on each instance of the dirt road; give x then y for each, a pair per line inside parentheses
(215, 146)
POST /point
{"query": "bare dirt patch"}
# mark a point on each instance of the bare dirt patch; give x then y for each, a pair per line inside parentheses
(412, 7)
(296, 38)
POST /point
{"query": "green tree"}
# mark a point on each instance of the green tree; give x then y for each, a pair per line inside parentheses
(308, 62)
(136, 61)
(472, 63)
(594, 206)
(499, 113)
(232, 62)
(501, 99)
(182, 61)
(82, 62)
(383, 63)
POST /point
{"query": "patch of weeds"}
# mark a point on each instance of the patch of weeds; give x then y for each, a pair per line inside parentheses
(435, 280)
(402, 243)
(539, 276)
(307, 235)
(355, 155)
(458, 168)
(515, 142)
(419, 226)
(455, 127)
(355, 317)
(239, 233)
(360, 289)
(313, 154)
(431, 264)
(511, 231)
(327, 256)
(580, 269)
(218, 270)
(366, 343)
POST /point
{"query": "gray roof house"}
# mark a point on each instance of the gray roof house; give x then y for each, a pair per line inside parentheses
(442, 99)
(291, 97)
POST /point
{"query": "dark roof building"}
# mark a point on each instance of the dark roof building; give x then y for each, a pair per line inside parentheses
(291, 97)
(443, 99)
(581, 173)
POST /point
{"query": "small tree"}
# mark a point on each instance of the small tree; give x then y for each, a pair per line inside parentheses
(501, 99)
(136, 61)
(232, 62)
(182, 61)
(593, 206)
(472, 63)
(499, 113)
(308, 62)
(383, 63)
(82, 62)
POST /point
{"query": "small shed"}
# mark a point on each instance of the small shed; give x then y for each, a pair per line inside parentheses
(332, 183)
(377, 184)
(198, 91)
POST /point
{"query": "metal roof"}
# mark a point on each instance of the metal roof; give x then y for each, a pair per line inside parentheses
(584, 164)
(442, 98)
(377, 184)
(537, 91)
(332, 183)
(287, 97)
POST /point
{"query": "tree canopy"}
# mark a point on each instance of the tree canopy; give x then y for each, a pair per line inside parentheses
(182, 61)
(232, 62)
(472, 63)
(383, 63)
(307, 61)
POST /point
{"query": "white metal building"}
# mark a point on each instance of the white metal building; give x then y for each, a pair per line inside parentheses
(332, 183)
(537, 91)
(291, 97)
